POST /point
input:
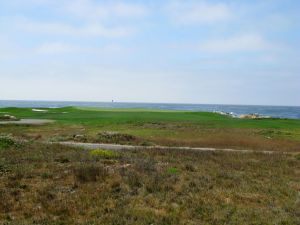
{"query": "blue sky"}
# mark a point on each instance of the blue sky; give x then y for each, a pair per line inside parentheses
(184, 51)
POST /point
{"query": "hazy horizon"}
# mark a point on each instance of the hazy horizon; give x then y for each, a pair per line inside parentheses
(132, 102)
(175, 51)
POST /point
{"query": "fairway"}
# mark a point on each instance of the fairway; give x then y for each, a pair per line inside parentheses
(161, 127)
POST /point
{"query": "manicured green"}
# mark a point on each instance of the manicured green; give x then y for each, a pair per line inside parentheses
(92, 116)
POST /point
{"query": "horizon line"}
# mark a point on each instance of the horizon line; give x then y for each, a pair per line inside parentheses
(137, 102)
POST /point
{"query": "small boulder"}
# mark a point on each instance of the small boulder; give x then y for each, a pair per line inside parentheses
(79, 137)
(249, 116)
(8, 117)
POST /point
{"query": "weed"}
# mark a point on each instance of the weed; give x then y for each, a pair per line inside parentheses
(172, 170)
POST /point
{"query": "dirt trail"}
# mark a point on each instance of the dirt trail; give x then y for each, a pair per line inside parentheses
(28, 122)
(132, 147)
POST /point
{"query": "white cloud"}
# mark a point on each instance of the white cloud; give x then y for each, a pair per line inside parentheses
(123, 9)
(88, 9)
(56, 48)
(198, 12)
(65, 48)
(86, 18)
(240, 43)
(61, 28)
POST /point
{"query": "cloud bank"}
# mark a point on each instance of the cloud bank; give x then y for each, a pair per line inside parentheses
(197, 51)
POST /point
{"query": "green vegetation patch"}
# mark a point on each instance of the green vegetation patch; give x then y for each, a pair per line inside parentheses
(173, 170)
(101, 153)
(6, 142)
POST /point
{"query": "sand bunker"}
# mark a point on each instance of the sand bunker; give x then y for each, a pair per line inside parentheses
(39, 110)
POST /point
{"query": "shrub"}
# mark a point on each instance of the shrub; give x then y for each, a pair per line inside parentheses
(6, 142)
(101, 153)
(115, 137)
(7, 118)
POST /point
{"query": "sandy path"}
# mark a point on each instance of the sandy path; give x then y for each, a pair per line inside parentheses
(28, 122)
(132, 147)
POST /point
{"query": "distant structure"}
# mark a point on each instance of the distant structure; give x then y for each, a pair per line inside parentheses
(112, 101)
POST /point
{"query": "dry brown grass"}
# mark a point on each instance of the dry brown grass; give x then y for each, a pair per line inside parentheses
(240, 140)
(53, 184)
(162, 134)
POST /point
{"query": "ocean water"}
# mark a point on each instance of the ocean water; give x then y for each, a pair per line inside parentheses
(292, 112)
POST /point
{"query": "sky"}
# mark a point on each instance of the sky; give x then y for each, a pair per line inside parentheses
(175, 51)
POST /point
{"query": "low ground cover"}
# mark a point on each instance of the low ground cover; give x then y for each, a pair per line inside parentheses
(54, 184)
(101, 153)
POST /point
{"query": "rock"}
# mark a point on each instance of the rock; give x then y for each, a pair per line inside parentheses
(8, 117)
(250, 116)
(231, 114)
(79, 137)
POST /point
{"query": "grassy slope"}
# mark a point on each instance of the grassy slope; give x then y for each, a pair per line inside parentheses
(170, 127)
(42, 184)
(91, 116)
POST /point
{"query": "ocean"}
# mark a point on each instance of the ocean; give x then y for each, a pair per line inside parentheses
(291, 112)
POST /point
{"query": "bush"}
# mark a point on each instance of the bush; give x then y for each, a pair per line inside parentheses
(101, 153)
(115, 137)
(6, 142)
(7, 118)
